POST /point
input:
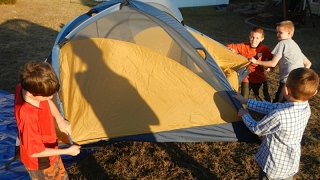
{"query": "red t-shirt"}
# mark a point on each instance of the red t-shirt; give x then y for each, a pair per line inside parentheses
(36, 131)
(261, 53)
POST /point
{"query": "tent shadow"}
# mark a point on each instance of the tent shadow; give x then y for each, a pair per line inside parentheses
(197, 170)
(115, 102)
(95, 171)
(238, 128)
(107, 87)
(19, 44)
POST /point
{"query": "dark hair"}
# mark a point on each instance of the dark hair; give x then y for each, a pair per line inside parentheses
(303, 83)
(39, 78)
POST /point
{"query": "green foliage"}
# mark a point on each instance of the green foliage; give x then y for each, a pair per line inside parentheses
(8, 2)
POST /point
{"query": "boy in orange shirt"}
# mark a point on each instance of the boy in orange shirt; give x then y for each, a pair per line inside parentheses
(35, 113)
(256, 78)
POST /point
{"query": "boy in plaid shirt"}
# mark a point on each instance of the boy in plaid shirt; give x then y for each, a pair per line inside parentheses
(279, 153)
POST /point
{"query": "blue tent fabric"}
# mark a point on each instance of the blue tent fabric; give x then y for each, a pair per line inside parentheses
(8, 134)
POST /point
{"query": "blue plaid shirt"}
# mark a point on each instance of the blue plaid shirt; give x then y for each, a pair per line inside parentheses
(282, 128)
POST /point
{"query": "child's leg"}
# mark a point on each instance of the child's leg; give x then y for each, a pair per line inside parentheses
(266, 92)
(256, 91)
(279, 96)
(245, 89)
(56, 171)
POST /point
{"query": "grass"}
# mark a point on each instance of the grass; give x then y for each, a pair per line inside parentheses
(28, 31)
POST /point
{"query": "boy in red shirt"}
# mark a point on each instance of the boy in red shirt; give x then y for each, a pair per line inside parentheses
(256, 78)
(35, 113)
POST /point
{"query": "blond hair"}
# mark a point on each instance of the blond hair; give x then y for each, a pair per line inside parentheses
(287, 25)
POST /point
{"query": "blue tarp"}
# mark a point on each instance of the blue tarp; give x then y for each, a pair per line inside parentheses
(8, 134)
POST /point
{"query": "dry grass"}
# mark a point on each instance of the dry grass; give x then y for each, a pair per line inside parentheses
(28, 31)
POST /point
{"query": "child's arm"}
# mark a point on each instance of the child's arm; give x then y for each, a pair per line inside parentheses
(233, 48)
(269, 56)
(242, 112)
(263, 107)
(72, 150)
(307, 63)
(272, 63)
(63, 125)
(268, 125)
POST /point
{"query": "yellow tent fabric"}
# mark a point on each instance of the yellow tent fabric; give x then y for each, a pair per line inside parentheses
(228, 61)
(123, 89)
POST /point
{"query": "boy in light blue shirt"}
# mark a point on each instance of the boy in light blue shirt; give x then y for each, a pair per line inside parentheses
(282, 128)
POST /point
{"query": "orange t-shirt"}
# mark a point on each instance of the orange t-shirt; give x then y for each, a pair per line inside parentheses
(36, 131)
(261, 53)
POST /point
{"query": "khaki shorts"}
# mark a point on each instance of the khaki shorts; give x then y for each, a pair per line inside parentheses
(54, 172)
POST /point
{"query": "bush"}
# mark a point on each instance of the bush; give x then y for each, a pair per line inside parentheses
(8, 2)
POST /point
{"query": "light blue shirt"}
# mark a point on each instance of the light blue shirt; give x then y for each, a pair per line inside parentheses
(282, 128)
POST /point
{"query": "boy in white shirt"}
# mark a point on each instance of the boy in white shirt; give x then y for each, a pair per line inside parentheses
(287, 54)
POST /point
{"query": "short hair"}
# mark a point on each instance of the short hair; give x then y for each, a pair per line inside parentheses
(258, 30)
(303, 83)
(39, 78)
(287, 25)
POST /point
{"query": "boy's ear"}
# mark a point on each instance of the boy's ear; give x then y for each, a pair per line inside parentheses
(315, 92)
(287, 91)
(28, 93)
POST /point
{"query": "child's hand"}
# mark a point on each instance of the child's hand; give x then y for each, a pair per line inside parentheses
(240, 98)
(268, 69)
(64, 126)
(74, 150)
(253, 60)
(242, 111)
(233, 50)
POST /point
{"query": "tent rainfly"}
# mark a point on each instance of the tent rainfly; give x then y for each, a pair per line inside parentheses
(131, 70)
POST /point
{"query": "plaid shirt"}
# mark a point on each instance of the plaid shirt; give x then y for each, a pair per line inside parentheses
(282, 128)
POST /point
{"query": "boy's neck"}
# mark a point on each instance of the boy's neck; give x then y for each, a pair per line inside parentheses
(285, 39)
(291, 99)
(28, 97)
(254, 47)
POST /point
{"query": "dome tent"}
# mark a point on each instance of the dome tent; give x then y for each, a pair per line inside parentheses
(130, 70)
